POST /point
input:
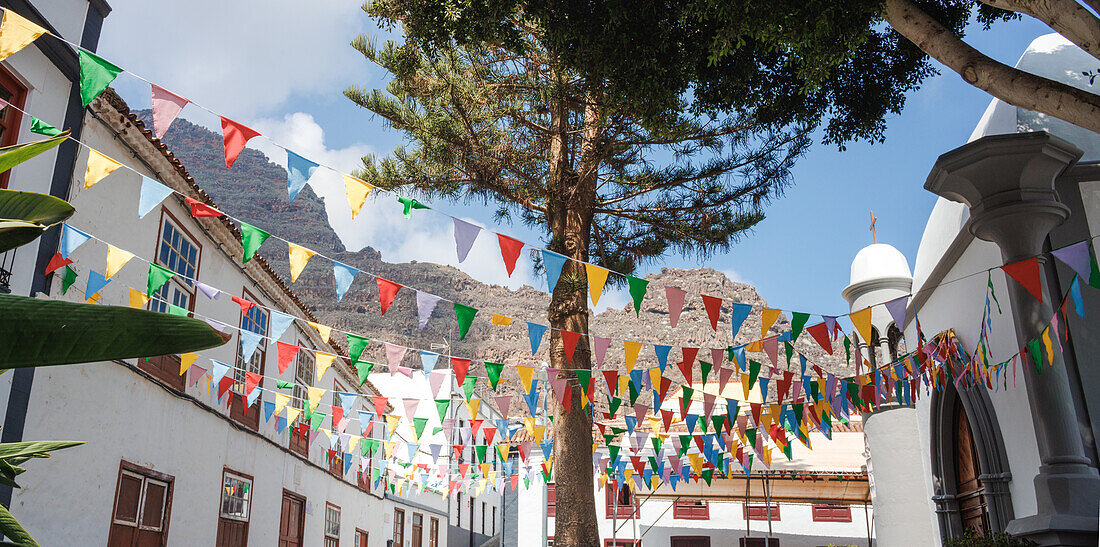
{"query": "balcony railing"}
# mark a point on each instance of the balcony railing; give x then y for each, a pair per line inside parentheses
(7, 263)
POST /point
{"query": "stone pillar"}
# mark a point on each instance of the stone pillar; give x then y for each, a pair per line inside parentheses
(1008, 183)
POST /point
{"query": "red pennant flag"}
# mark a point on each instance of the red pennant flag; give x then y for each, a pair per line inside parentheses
(509, 250)
(244, 304)
(55, 263)
(689, 355)
(490, 433)
(234, 137)
(636, 462)
(714, 307)
(611, 377)
(387, 291)
(666, 417)
(685, 369)
(1026, 273)
(754, 408)
(224, 385)
(460, 366)
(200, 209)
(820, 333)
(569, 339)
(475, 426)
(287, 352)
(251, 380)
(566, 395)
(523, 448)
(379, 405)
(665, 384)
(699, 443)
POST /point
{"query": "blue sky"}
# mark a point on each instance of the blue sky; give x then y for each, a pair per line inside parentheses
(281, 67)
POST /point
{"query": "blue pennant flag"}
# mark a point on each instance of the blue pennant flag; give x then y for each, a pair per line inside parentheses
(279, 323)
(152, 193)
(281, 425)
(269, 409)
(553, 263)
(535, 332)
(763, 381)
(428, 360)
(96, 282)
(739, 355)
(532, 397)
(249, 341)
(738, 315)
(662, 356)
(344, 275)
(631, 421)
(691, 420)
(71, 238)
(298, 171)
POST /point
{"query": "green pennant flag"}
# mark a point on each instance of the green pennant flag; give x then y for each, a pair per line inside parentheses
(43, 128)
(848, 349)
(1036, 354)
(789, 349)
(176, 310)
(1094, 273)
(442, 406)
(685, 444)
(95, 75)
(613, 451)
(787, 451)
(719, 421)
(283, 384)
(618, 430)
(637, 292)
(68, 279)
(657, 444)
(468, 386)
(493, 371)
(363, 368)
(315, 420)
(408, 204)
(465, 316)
(613, 405)
(633, 394)
(158, 276)
(798, 320)
(754, 372)
(705, 367)
(702, 423)
(708, 474)
(251, 239)
(688, 394)
(653, 464)
(356, 345)
(480, 450)
(608, 439)
(750, 434)
(418, 425)
(799, 410)
(584, 376)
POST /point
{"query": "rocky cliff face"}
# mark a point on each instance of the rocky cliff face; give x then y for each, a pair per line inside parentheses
(255, 190)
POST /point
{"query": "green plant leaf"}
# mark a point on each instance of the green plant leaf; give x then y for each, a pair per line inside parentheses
(33, 448)
(13, 531)
(10, 156)
(52, 332)
(25, 215)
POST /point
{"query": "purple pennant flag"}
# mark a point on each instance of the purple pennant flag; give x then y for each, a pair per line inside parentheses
(896, 307)
(1076, 256)
(601, 349)
(675, 297)
(209, 291)
(425, 304)
(830, 325)
(216, 325)
(465, 234)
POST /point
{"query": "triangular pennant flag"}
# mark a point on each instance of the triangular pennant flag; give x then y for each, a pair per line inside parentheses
(234, 137)
(324, 330)
(116, 259)
(394, 355)
(137, 299)
(552, 262)
(251, 239)
(597, 278)
(509, 251)
(428, 360)
(166, 106)
(152, 193)
(95, 74)
(356, 191)
(896, 307)
(324, 361)
(526, 373)
(461, 367)
(16, 33)
(314, 396)
(465, 316)
(71, 238)
(249, 342)
(387, 291)
(158, 276)
(1075, 256)
(820, 334)
(675, 297)
(43, 128)
(99, 166)
(798, 321)
(287, 353)
(569, 340)
(96, 282)
(637, 291)
(408, 204)
(601, 349)
(200, 209)
(498, 319)
(465, 234)
(425, 305)
(713, 306)
(298, 172)
(767, 319)
(344, 275)
(299, 257)
(534, 333)
(662, 355)
(630, 353)
(862, 321)
(1026, 273)
(356, 345)
(492, 370)
(68, 279)
(739, 313)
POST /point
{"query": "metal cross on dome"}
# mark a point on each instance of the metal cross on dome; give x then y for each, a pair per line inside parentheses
(874, 235)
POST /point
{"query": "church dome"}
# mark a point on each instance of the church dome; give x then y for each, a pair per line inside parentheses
(879, 261)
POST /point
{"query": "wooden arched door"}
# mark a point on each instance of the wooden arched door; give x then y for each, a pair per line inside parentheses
(970, 494)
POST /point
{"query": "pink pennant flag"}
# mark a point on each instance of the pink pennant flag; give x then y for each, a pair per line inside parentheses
(675, 297)
(771, 347)
(194, 374)
(504, 403)
(410, 408)
(166, 106)
(724, 377)
(407, 371)
(708, 404)
(435, 379)
(717, 356)
(601, 349)
(640, 411)
(394, 355)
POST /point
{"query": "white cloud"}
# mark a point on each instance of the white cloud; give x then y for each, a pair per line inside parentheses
(735, 276)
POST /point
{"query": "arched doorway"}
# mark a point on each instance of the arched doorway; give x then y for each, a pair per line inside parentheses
(969, 490)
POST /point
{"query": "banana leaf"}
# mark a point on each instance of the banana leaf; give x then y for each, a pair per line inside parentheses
(13, 531)
(25, 215)
(36, 332)
(10, 156)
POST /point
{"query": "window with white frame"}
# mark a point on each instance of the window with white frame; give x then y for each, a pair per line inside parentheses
(179, 253)
(254, 321)
(332, 525)
(236, 496)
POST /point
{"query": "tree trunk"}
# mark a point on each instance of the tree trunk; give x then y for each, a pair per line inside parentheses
(1013, 86)
(1068, 18)
(573, 195)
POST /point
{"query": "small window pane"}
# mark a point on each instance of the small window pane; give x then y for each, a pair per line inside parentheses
(152, 515)
(236, 494)
(129, 497)
(332, 521)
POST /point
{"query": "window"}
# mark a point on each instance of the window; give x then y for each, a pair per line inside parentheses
(178, 251)
(361, 538)
(417, 530)
(760, 512)
(12, 91)
(253, 321)
(493, 530)
(292, 520)
(235, 507)
(336, 457)
(398, 527)
(832, 513)
(332, 525)
(551, 499)
(458, 518)
(303, 378)
(483, 511)
(143, 504)
(620, 502)
(433, 533)
(691, 510)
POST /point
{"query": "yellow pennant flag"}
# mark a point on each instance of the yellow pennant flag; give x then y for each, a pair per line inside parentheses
(472, 406)
(324, 360)
(525, 374)
(299, 256)
(16, 33)
(767, 319)
(93, 298)
(323, 330)
(754, 347)
(597, 278)
(353, 442)
(389, 447)
(1048, 345)
(655, 376)
(99, 166)
(357, 192)
(292, 414)
(603, 480)
(391, 423)
(862, 321)
(539, 431)
(624, 384)
(766, 455)
(314, 394)
(137, 299)
(280, 403)
(631, 350)
(745, 385)
(186, 360)
(116, 259)
(501, 320)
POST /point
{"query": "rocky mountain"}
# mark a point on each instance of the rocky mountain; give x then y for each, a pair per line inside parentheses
(255, 191)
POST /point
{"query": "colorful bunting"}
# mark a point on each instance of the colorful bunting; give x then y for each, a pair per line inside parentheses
(96, 282)
(465, 316)
(200, 209)
(897, 308)
(713, 306)
(95, 75)
(630, 353)
(408, 204)
(465, 234)
(387, 291)
(509, 251)
(251, 239)
(597, 278)
(158, 276)
(116, 259)
(637, 292)
(862, 321)
(768, 317)
(43, 128)
(99, 166)
(298, 172)
(739, 313)
(552, 262)
(356, 191)
(16, 33)
(71, 238)
(166, 106)
(152, 193)
(569, 340)
(344, 275)
(1026, 273)
(675, 297)
(234, 138)
(299, 257)
(425, 304)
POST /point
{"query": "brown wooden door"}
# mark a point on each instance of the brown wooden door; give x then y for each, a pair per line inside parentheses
(970, 492)
(417, 530)
(232, 533)
(291, 520)
(142, 505)
(690, 541)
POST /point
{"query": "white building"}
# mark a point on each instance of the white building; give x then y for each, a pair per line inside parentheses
(1021, 457)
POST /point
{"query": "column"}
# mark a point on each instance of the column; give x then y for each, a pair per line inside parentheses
(1008, 183)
